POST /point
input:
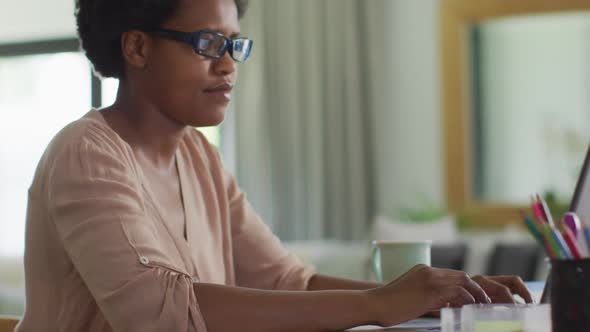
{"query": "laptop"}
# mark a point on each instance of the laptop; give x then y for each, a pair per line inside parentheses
(580, 205)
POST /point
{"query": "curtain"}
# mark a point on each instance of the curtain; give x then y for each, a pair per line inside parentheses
(301, 118)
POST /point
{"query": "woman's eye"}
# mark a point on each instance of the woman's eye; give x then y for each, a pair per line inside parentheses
(204, 44)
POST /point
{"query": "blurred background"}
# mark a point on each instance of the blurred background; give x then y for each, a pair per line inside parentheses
(349, 124)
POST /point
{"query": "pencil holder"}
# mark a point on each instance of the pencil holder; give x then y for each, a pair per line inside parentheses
(570, 295)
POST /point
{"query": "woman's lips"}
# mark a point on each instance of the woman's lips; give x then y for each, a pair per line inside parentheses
(222, 91)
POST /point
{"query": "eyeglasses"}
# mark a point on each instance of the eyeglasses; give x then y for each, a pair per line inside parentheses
(210, 43)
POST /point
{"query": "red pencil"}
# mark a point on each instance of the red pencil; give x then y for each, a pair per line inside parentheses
(571, 243)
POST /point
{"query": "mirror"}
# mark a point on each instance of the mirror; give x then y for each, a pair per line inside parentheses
(515, 87)
(530, 78)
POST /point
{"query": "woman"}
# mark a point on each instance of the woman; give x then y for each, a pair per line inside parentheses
(134, 225)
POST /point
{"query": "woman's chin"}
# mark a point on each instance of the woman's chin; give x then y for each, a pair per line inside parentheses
(208, 120)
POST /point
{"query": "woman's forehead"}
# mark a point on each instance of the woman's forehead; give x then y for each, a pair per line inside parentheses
(193, 15)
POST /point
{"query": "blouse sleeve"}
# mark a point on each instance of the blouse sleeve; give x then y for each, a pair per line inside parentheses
(96, 204)
(260, 259)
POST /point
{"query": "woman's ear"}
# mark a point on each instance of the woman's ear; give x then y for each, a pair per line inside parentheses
(135, 46)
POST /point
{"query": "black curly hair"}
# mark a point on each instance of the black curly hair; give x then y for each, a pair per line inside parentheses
(101, 23)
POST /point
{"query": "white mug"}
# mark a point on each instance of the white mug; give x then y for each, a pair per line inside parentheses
(391, 259)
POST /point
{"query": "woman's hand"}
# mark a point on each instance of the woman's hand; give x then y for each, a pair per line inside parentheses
(423, 289)
(501, 288)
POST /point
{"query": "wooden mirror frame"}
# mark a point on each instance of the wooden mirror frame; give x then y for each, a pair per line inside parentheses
(456, 17)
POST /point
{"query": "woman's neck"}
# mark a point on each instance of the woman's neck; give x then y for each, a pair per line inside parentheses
(146, 128)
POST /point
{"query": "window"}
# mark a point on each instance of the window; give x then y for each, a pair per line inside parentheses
(39, 95)
(43, 87)
(109, 90)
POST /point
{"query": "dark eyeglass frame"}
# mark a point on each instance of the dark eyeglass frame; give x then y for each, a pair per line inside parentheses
(192, 38)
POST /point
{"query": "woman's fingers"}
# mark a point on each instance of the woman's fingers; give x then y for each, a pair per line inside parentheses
(457, 296)
(497, 291)
(516, 286)
(457, 288)
(463, 280)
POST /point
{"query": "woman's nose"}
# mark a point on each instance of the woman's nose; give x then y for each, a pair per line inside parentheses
(224, 65)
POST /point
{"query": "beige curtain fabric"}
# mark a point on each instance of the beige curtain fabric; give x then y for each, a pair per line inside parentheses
(302, 117)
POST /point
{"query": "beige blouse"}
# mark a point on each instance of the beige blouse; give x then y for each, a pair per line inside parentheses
(100, 255)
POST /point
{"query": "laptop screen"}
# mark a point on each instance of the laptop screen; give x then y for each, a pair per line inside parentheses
(580, 205)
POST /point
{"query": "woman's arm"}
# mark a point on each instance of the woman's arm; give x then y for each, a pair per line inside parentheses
(420, 290)
(499, 288)
(324, 282)
(246, 309)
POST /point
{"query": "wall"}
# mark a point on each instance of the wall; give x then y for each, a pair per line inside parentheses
(33, 19)
(407, 131)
